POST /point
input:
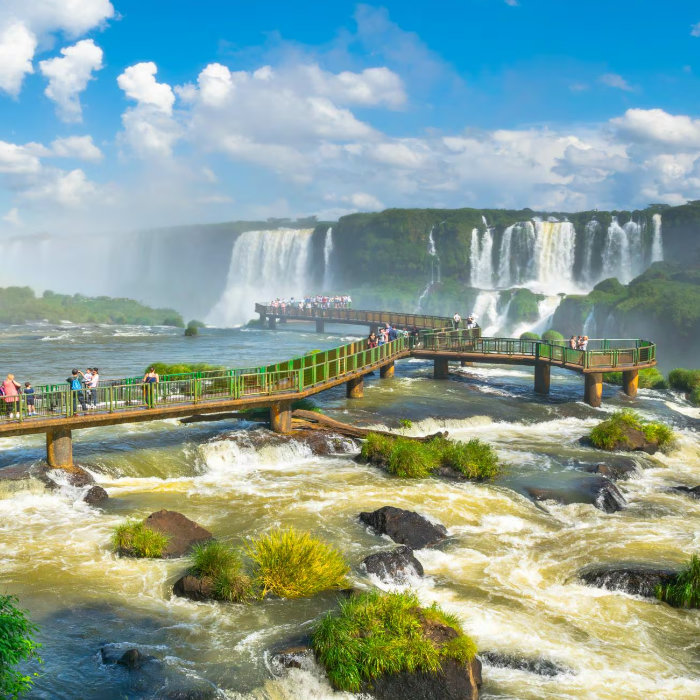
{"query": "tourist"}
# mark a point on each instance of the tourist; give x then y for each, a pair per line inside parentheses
(150, 379)
(92, 385)
(456, 320)
(372, 340)
(572, 342)
(391, 333)
(11, 390)
(382, 336)
(76, 389)
(584, 343)
(29, 393)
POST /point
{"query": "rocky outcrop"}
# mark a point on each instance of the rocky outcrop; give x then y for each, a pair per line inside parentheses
(692, 491)
(631, 440)
(405, 526)
(539, 666)
(596, 490)
(183, 533)
(617, 469)
(296, 656)
(95, 495)
(397, 565)
(636, 579)
(194, 588)
(320, 442)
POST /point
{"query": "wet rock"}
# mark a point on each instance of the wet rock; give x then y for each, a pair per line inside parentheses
(692, 491)
(636, 579)
(95, 495)
(183, 532)
(134, 659)
(397, 565)
(322, 443)
(622, 468)
(405, 526)
(194, 588)
(299, 656)
(187, 690)
(539, 666)
(55, 478)
(597, 491)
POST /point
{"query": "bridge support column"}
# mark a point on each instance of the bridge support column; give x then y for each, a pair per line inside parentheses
(59, 448)
(630, 382)
(441, 368)
(542, 372)
(320, 325)
(271, 323)
(593, 389)
(387, 370)
(281, 417)
(355, 388)
(263, 320)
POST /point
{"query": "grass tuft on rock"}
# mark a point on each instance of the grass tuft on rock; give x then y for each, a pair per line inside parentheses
(475, 459)
(375, 634)
(688, 381)
(223, 565)
(134, 539)
(649, 378)
(293, 564)
(412, 460)
(684, 591)
(612, 432)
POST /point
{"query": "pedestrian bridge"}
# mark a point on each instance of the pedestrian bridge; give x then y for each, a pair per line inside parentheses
(276, 386)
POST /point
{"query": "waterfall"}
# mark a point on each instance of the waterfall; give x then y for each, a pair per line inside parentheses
(486, 313)
(480, 259)
(589, 325)
(616, 253)
(552, 261)
(264, 265)
(545, 312)
(590, 234)
(435, 274)
(504, 258)
(327, 252)
(657, 248)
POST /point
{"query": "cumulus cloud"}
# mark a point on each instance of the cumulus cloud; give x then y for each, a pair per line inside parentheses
(68, 77)
(80, 147)
(140, 84)
(18, 160)
(17, 45)
(659, 129)
(614, 80)
(67, 189)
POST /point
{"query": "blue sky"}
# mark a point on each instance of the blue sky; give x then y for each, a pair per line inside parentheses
(122, 114)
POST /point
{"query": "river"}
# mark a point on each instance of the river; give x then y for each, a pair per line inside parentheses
(508, 568)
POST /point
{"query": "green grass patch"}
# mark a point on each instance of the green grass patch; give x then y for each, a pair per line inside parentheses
(406, 423)
(134, 539)
(223, 565)
(612, 432)
(475, 459)
(293, 564)
(375, 634)
(412, 460)
(688, 381)
(684, 592)
(17, 645)
(649, 378)
(377, 448)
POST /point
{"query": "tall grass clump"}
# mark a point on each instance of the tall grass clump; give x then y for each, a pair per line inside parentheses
(412, 460)
(649, 378)
(375, 634)
(293, 564)
(612, 432)
(688, 381)
(134, 539)
(223, 566)
(684, 591)
(17, 645)
(377, 448)
(475, 459)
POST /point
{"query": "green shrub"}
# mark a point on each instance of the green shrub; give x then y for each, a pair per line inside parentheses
(528, 335)
(475, 459)
(16, 645)
(694, 396)
(611, 432)
(134, 539)
(412, 460)
(687, 380)
(552, 336)
(684, 591)
(193, 328)
(406, 423)
(375, 633)
(292, 564)
(377, 448)
(649, 378)
(223, 565)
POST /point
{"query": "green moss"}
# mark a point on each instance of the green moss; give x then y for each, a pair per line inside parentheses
(223, 565)
(649, 378)
(376, 634)
(529, 336)
(17, 646)
(611, 433)
(134, 539)
(684, 591)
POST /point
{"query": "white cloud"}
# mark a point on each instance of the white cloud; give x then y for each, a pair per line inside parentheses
(657, 128)
(363, 201)
(695, 30)
(68, 189)
(17, 45)
(18, 160)
(614, 80)
(139, 83)
(373, 86)
(80, 147)
(512, 3)
(69, 76)
(12, 217)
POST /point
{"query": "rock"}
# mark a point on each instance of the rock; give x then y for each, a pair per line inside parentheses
(405, 526)
(622, 468)
(194, 588)
(134, 659)
(542, 667)
(596, 490)
(321, 442)
(55, 478)
(183, 532)
(95, 495)
(636, 579)
(397, 565)
(299, 656)
(692, 491)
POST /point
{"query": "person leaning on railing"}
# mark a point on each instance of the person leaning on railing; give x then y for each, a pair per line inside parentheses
(150, 379)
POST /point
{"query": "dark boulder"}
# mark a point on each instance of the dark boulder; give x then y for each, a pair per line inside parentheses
(55, 478)
(133, 659)
(636, 579)
(405, 526)
(298, 656)
(692, 491)
(95, 495)
(320, 442)
(595, 490)
(194, 588)
(621, 468)
(183, 532)
(397, 565)
(539, 666)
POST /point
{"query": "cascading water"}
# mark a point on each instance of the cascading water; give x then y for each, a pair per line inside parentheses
(552, 262)
(481, 261)
(623, 253)
(435, 274)
(327, 253)
(591, 232)
(657, 248)
(486, 313)
(264, 265)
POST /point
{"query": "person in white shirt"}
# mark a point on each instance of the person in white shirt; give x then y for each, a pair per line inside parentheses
(92, 385)
(456, 320)
(584, 343)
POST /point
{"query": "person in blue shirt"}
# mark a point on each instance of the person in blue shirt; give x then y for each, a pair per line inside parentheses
(29, 393)
(76, 389)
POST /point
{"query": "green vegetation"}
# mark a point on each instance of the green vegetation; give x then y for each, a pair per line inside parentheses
(649, 378)
(684, 591)
(16, 645)
(552, 336)
(292, 564)
(19, 304)
(224, 567)
(687, 380)
(523, 306)
(529, 336)
(406, 423)
(412, 459)
(375, 634)
(164, 369)
(134, 539)
(611, 433)
(193, 328)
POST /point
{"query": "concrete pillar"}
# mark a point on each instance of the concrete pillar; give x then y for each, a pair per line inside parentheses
(320, 325)
(593, 389)
(281, 417)
(271, 323)
(542, 372)
(263, 319)
(630, 382)
(355, 388)
(387, 370)
(441, 368)
(59, 448)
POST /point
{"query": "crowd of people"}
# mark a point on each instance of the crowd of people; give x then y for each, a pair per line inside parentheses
(319, 301)
(388, 333)
(578, 342)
